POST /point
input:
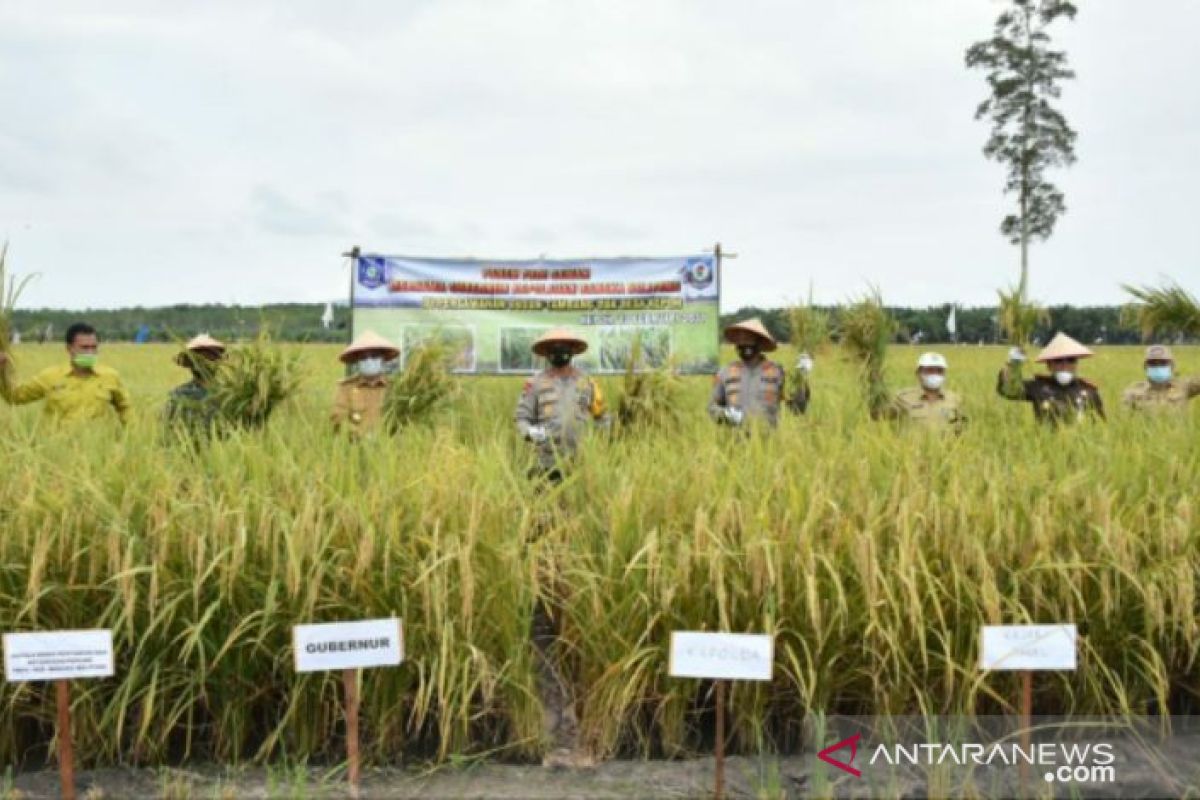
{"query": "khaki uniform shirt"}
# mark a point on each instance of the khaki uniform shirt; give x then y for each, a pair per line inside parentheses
(563, 401)
(754, 388)
(70, 397)
(1170, 397)
(358, 404)
(912, 404)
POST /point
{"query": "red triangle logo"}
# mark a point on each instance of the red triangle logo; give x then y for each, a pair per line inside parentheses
(844, 766)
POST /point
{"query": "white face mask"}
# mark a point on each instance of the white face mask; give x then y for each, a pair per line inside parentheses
(1064, 378)
(370, 367)
(933, 382)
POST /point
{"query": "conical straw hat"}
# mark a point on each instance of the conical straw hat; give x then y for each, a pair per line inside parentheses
(559, 336)
(752, 326)
(1063, 346)
(368, 340)
(198, 344)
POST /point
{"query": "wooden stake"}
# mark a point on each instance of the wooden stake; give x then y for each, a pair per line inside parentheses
(719, 776)
(1026, 723)
(350, 682)
(66, 748)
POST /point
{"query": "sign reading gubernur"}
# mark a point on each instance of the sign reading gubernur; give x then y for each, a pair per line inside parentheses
(348, 645)
(58, 655)
(722, 656)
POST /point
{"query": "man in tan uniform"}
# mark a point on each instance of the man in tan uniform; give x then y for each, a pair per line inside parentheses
(358, 404)
(559, 404)
(1162, 390)
(928, 405)
(751, 387)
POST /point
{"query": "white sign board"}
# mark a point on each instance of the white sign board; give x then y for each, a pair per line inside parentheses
(1028, 647)
(348, 645)
(58, 655)
(722, 656)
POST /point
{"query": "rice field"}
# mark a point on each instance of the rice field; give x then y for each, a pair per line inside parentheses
(872, 553)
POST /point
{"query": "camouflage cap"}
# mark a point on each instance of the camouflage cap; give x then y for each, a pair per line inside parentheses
(1159, 352)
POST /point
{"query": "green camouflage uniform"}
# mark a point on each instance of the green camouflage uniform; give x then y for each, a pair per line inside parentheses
(755, 389)
(1052, 402)
(565, 402)
(191, 408)
(1171, 396)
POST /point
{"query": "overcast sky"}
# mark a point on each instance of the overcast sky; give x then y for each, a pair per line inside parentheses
(165, 152)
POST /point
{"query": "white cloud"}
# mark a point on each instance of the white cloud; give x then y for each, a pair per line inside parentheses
(205, 152)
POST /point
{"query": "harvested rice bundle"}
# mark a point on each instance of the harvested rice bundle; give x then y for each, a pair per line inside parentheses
(422, 388)
(253, 380)
(650, 398)
(1166, 311)
(867, 329)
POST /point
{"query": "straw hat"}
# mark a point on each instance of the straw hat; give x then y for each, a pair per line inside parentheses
(735, 333)
(199, 344)
(1063, 346)
(365, 342)
(1159, 352)
(559, 336)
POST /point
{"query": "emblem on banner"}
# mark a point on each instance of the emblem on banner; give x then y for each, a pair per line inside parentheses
(698, 273)
(372, 272)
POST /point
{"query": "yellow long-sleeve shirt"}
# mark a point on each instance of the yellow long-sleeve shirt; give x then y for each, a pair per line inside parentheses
(70, 397)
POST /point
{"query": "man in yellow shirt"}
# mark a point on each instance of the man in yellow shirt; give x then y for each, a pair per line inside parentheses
(79, 391)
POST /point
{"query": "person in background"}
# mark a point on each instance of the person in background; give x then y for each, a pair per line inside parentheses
(750, 388)
(191, 407)
(1162, 390)
(559, 404)
(80, 391)
(358, 403)
(1060, 396)
(929, 405)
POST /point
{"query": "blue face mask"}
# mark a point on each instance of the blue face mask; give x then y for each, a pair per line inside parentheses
(1158, 374)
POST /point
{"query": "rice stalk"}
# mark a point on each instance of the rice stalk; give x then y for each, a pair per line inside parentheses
(1018, 316)
(809, 329)
(651, 399)
(1167, 310)
(866, 331)
(11, 289)
(424, 386)
(253, 380)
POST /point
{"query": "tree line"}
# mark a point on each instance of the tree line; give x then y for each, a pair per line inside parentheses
(302, 322)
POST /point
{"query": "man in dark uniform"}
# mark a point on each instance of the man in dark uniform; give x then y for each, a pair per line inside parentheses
(1060, 396)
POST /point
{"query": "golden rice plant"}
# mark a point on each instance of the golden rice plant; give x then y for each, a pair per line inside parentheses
(10, 292)
(423, 387)
(1167, 310)
(866, 331)
(253, 380)
(650, 398)
(1018, 316)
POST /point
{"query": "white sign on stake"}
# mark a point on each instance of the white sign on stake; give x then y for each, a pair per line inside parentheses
(348, 645)
(58, 655)
(1028, 647)
(722, 656)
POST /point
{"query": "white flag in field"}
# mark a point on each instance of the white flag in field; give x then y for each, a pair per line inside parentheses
(327, 317)
(951, 322)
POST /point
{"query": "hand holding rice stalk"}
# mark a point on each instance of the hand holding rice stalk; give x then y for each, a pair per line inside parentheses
(1168, 311)
(10, 292)
(424, 386)
(867, 329)
(253, 380)
(650, 398)
(809, 328)
(1019, 316)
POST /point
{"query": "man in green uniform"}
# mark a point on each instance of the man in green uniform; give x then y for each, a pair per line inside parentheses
(1162, 390)
(358, 404)
(559, 404)
(81, 391)
(750, 388)
(929, 405)
(191, 408)
(1060, 396)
